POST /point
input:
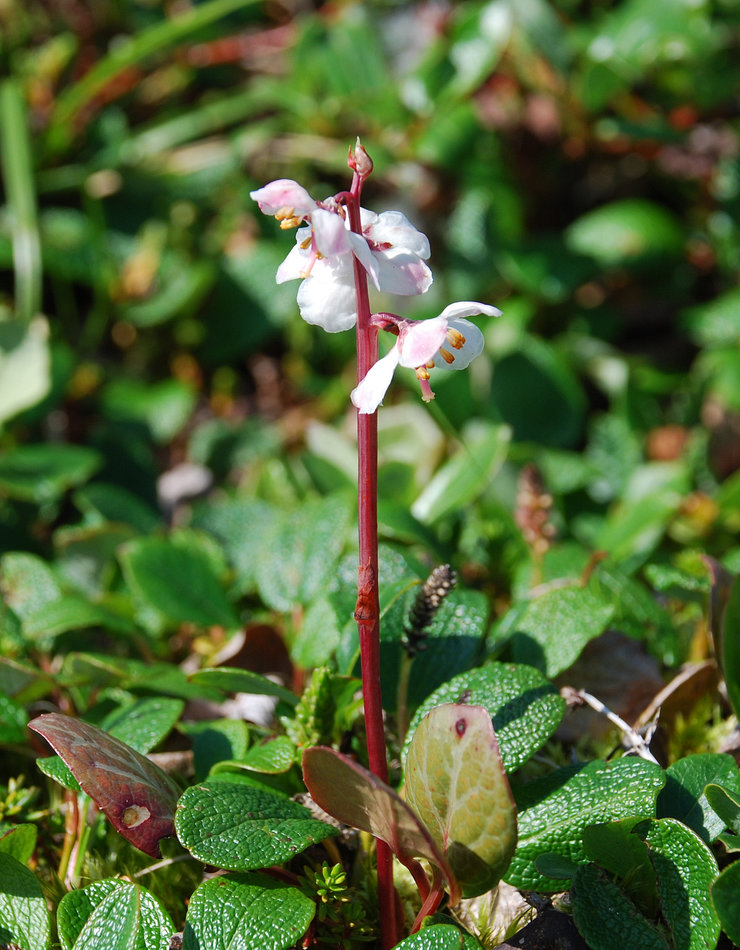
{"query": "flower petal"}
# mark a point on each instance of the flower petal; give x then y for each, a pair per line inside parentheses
(420, 340)
(472, 346)
(326, 300)
(284, 193)
(330, 233)
(364, 255)
(393, 227)
(294, 265)
(467, 308)
(369, 393)
(400, 272)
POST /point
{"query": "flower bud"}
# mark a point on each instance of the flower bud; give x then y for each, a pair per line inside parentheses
(359, 161)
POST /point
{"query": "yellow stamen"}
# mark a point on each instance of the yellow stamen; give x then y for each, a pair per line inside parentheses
(457, 340)
(422, 372)
(446, 355)
(304, 245)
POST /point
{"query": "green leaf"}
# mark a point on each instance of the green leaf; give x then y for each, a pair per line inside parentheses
(216, 741)
(113, 914)
(42, 473)
(19, 841)
(240, 828)
(242, 681)
(179, 582)
(436, 937)
(456, 784)
(466, 475)
(102, 503)
(685, 868)
(724, 622)
(71, 612)
(274, 756)
(25, 376)
(629, 231)
(137, 797)
(538, 369)
(551, 630)
(726, 805)
(452, 642)
(156, 38)
(27, 583)
(606, 917)
(13, 721)
(684, 798)
(164, 408)
(56, 769)
(241, 526)
(24, 917)
(356, 797)
(18, 167)
(525, 708)
(241, 911)
(301, 552)
(144, 723)
(613, 846)
(554, 812)
(724, 893)
(86, 555)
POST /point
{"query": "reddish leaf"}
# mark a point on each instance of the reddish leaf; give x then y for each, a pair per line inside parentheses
(136, 795)
(358, 798)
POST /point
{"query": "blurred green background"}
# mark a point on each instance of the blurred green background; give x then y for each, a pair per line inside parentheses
(574, 162)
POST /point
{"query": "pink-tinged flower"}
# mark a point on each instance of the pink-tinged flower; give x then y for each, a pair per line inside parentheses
(390, 249)
(444, 342)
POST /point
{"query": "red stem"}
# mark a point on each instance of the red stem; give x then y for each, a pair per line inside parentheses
(367, 612)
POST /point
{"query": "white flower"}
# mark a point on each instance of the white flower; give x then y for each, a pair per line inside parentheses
(447, 341)
(390, 249)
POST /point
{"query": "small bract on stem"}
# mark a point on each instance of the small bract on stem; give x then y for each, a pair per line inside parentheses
(340, 246)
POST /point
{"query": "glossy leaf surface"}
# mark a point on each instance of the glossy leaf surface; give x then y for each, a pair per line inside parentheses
(242, 911)
(455, 783)
(240, 828)
(136, 795)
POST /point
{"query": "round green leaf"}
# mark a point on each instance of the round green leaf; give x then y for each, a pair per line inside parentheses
(144, 723)
(455, 782)
(301, 551)
(113, 914)
(19, 841)
(623, 232)
(551, 631)
(525, 708)
(42, 473)
(24, 917)
(606, 917)
(684, 794)
(435, 937)
(244, 911)
(724, 893)
(554, 811)
(179, 582)
(240, 828)
(686, 869)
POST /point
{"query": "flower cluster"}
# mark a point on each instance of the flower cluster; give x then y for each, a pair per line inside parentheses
(393, 254)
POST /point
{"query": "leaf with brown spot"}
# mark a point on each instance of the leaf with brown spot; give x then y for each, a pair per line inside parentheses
(137, 797)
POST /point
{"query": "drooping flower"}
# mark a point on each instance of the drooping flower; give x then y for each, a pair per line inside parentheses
(447, 341)
(390, 249)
